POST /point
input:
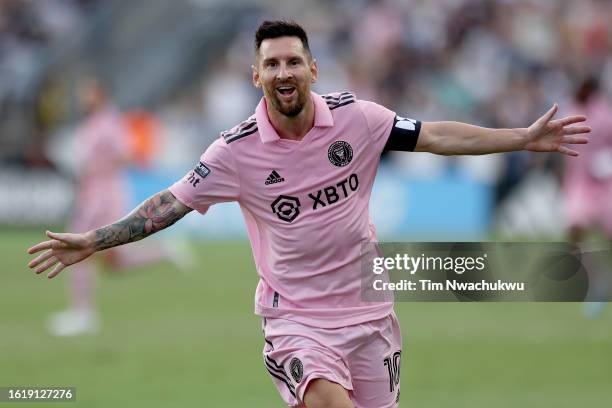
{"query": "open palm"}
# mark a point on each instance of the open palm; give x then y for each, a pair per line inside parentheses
(61, 251)
(547, 135)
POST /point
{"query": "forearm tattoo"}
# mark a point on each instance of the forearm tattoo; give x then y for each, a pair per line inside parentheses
(156, 213)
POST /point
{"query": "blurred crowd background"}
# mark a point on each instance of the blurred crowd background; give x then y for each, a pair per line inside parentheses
(180, 72)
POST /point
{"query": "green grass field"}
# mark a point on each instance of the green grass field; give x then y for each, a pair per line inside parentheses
(191, 340)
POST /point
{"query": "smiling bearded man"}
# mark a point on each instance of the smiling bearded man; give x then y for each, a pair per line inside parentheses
(302, 169)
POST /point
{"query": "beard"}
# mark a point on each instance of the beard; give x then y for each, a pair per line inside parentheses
(289, 109)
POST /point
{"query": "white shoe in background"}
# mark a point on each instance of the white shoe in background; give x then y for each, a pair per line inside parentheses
(181, 254)
(73, 322)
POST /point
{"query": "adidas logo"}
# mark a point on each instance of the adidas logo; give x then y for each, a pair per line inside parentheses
(274, 178)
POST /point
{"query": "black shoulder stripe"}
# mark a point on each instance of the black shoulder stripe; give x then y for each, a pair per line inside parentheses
(333, 102)
(233, 137)
(246, 128)
(337, 101)
(332, 96)
(245, 125)
(344, 103)
(238, 129)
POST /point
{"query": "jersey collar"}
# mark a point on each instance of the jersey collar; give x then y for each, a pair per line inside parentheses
(322, 118)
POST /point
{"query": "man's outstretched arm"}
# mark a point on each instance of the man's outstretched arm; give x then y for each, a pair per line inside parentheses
(544, 135)
(63, 249)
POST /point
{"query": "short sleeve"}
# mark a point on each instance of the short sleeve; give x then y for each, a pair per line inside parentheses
(214, 179)
(388, 130)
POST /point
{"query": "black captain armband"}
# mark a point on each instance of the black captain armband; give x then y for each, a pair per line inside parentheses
(404, 135)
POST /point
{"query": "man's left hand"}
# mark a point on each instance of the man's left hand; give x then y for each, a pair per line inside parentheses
(547, 135)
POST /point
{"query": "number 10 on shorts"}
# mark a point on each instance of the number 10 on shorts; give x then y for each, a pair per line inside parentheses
(393, 366)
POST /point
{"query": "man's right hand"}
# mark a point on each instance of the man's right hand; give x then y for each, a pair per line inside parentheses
(154, 214)
(61, 251)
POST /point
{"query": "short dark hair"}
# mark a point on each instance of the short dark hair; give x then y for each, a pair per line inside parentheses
(586, 88)
(280, 28)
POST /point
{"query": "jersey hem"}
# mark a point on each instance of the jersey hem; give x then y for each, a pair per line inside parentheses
(189, 203)
(328, 319)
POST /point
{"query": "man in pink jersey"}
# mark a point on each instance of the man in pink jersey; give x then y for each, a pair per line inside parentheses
(302, 169)
(102, 197)
(587, 183)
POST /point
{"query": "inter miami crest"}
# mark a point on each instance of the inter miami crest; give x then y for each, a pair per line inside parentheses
(340, 153)
(287, 208)
(297, 369)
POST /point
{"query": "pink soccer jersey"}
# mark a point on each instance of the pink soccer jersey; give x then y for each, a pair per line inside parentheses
(305, 204)
(587, 183)
(103, 150)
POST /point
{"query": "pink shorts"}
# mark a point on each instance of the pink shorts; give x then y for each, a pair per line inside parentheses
(588, 204)
(364, 359)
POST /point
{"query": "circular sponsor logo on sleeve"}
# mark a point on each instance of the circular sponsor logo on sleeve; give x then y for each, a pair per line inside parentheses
(297, 369)
(340, 153)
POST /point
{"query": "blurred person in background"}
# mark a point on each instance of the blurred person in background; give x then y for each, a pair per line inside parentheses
(587, 183)
(302, 168)
(104, 152)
